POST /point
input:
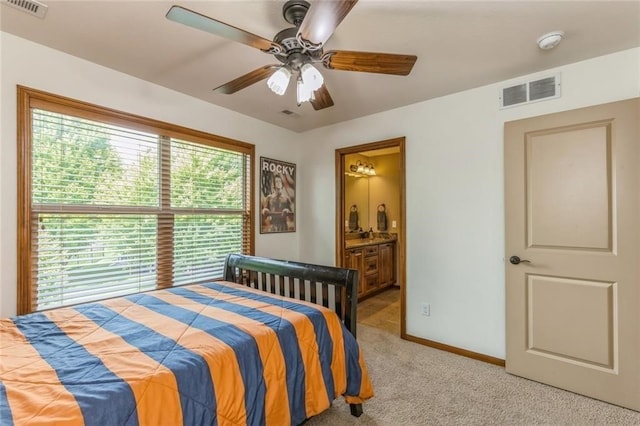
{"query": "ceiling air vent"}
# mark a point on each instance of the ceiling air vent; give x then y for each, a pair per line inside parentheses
(530, 91)
(31, 7)
(289, 113)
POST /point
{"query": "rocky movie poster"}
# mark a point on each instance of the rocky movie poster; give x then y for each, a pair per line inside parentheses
(277, 196)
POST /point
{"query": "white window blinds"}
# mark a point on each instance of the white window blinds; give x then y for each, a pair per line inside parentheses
(116, 210)
(209, 216)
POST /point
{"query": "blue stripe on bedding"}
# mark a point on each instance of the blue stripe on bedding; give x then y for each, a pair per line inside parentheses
(197, 397)
(242, 343)
(6, 419)
(286, 336)
(56, 348)
(352, 354)
(323, 337)
(352, 350)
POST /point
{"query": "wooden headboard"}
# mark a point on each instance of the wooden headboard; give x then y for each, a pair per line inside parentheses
(335, 288)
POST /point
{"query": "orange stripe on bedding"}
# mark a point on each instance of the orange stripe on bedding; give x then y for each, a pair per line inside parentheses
(220, 357)
(38, 404)
(316, 399)
(277, 402)
(334, 325)
(338, 365)
(152, 384)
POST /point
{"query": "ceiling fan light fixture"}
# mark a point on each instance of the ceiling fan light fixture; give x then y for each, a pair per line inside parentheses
(311, 77)
(305, 93)
(279, 81)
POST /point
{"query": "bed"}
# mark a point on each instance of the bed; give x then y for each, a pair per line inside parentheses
(272, 343)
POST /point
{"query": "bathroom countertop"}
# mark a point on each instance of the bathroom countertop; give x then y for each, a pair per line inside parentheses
(361, 242)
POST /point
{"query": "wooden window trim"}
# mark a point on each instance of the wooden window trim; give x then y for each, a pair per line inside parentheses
(28, 98)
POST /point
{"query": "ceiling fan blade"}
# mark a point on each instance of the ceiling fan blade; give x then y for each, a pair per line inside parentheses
(322, 98)
(247, 80)
(201, 22)
(383, 63)
(321, 20)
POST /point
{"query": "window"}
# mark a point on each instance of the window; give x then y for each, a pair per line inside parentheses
(113, 204)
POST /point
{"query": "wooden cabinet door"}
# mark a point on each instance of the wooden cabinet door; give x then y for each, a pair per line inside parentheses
(354, 259)
(370, 265)
(386, 264)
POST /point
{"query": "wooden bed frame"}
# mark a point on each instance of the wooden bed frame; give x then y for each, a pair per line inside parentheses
(335, 288)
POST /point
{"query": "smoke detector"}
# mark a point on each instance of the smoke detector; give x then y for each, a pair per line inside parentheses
(550, 40)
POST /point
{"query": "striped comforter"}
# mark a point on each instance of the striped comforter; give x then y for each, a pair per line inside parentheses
(217, 353)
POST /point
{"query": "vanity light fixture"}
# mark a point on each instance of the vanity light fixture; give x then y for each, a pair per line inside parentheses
(363, 168)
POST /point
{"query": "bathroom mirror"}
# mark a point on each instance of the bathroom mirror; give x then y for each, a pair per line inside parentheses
(373, 191)
(356, 192)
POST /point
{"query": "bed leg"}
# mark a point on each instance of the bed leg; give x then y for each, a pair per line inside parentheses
(356, 409)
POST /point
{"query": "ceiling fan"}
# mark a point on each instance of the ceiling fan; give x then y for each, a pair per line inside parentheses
(298, 48)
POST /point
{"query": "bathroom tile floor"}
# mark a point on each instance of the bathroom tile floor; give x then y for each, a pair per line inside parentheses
(382, 311)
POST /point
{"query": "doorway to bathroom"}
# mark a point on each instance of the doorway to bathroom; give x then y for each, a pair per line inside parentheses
(371, 230)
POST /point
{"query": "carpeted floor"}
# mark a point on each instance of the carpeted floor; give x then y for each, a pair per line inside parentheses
(418, 385)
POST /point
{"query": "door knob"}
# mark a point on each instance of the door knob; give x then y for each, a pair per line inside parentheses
(516, 260)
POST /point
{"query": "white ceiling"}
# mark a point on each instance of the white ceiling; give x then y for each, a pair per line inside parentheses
(459, 44)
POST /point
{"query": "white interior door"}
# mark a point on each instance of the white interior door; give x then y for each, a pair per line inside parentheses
(572, 211)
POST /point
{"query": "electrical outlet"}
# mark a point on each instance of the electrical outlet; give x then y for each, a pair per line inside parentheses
(346, 224)
(426, 309)
(393, 224)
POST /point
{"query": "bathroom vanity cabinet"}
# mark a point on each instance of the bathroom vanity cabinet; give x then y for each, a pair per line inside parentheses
(375, 261)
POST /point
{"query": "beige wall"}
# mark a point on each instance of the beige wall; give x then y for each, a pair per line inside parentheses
(454, 194)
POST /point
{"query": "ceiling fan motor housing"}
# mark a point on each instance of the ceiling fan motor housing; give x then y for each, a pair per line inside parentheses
(294, 11)
(294, 54)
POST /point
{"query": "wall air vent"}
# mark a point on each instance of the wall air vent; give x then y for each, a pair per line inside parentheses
(514, 95)
(530, 91)
(31, 7)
